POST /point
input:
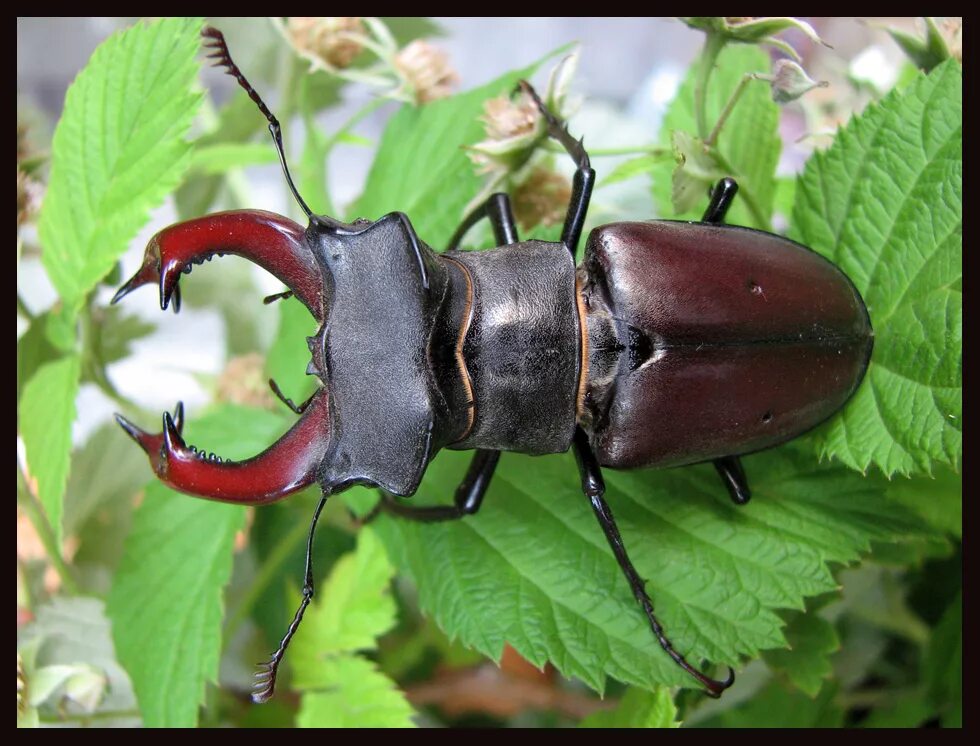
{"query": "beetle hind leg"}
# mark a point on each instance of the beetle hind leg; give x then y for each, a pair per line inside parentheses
(594, 487)
(721, 199)
(733, 475)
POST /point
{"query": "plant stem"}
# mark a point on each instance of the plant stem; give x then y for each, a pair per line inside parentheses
(92, 363)
(729, 106)
(23, 310)
(713, 45)
(654, 150)
(744, 193)
(272, 564)
(35, 513)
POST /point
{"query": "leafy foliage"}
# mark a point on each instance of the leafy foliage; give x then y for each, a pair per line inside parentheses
(638, 709)
(340, 688)
(166, 600)
(747, 148)
(47, 410)
(534, 569)
(885, 203)
(119, 149)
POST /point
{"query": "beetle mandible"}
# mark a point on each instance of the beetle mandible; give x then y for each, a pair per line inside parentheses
(672, 343)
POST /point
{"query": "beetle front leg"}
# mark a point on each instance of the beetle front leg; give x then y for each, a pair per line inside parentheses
(594, 488)
(584, 178)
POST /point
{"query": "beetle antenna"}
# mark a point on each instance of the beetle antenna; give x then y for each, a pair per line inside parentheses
(265, 676)
(215, 42)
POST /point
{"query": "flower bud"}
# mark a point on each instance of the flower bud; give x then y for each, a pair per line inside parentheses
(326, 39)
(427, 70)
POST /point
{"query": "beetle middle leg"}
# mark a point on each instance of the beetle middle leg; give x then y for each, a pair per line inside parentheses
(467, 501)
(594, 487)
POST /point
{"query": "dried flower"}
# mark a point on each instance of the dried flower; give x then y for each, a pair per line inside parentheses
(331, 40)
(505, 118)
(28, 197)
(789, 81)
(514, 130)
(243, 382)
(542, 198)
(426, 71)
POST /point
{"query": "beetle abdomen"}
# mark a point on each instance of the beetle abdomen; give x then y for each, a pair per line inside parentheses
(710, 340)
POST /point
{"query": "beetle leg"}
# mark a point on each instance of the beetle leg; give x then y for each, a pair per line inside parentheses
(721, 199)
(285, 467)
(467, 500)
(584, 178)
(289, 402)
(594, 487)
(498, 211)
(733, 475)
(265, 677)
(275, 243)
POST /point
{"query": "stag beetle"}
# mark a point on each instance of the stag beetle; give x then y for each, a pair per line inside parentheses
(672, 343)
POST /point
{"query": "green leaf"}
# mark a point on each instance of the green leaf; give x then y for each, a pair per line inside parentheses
(113, 331)
(34, 349)
(216, 159)
(910, 710)
(637, 709)
(777, 706)
(357, 608)
(885, 204)
(696, 171)
(811, 640)
(938, 499)
(638, 166)
(238, 121)
(47, 410)
(352, 693)
(943, 665)
(421, 168)
(166, 599)
(533, 568)
(749, 143)
(341, 689)
(118, 150)
(926, 53)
